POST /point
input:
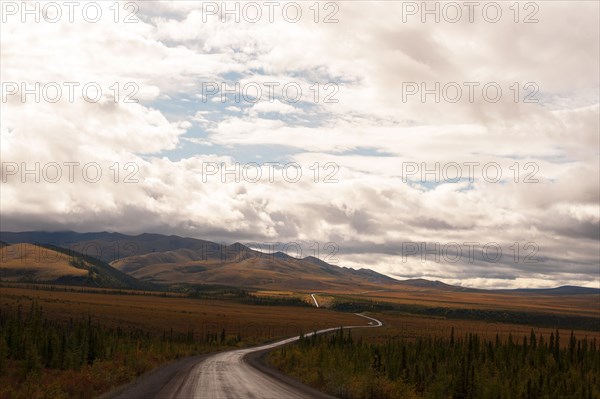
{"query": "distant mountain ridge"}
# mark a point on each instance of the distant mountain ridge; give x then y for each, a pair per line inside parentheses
(109, 246)
(562, 290)
(175, 260)
(157, 258)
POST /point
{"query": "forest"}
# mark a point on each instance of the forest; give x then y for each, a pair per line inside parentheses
(81, 358)
(463, 367)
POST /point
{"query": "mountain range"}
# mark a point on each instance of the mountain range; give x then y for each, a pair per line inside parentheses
(166, 260)
(148, 261)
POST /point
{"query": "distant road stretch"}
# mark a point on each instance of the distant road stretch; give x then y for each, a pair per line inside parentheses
(229, 375)
(315, 299)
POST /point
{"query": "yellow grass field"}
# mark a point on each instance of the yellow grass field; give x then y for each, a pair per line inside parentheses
(159, 314)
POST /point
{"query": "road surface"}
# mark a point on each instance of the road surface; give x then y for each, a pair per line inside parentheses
(315, 299)
(229, 374)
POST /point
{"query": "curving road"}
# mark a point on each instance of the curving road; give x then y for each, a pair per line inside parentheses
(229, 375)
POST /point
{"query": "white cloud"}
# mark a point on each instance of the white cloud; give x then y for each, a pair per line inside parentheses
(275, 106)
(370, 132)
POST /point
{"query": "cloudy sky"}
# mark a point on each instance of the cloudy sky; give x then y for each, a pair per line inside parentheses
(457, 144)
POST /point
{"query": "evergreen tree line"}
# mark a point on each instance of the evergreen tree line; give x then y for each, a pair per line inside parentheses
(433, 367)
(35, 342)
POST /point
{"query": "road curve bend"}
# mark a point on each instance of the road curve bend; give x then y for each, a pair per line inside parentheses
(227, 375)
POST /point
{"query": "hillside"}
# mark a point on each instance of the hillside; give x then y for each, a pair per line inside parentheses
(25, 262)
(174, 260)
(243, 267)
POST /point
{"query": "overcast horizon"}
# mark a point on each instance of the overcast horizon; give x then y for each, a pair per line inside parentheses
(463, 149)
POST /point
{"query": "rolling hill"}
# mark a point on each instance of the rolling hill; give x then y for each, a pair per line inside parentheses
(31, 263)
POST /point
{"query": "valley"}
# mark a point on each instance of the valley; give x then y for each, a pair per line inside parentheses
(231, 297)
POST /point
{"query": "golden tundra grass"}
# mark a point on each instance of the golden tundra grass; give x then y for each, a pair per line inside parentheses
(157, 313)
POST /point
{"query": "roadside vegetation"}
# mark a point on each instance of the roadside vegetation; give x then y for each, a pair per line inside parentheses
(81, 358)
(469, 366)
